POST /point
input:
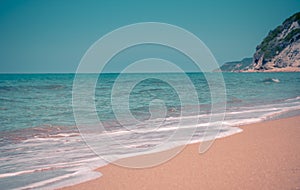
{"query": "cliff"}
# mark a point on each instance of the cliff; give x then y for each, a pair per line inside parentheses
(278, 52)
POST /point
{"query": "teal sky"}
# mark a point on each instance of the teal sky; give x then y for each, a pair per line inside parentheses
(53, 35)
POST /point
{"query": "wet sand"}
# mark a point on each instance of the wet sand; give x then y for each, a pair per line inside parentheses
(265, 155)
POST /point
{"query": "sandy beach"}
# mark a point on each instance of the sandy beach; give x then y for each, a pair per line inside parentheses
(265, 155)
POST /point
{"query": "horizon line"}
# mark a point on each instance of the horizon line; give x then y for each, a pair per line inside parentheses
(103, 72)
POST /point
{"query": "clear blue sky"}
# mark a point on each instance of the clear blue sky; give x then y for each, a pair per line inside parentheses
(53, 35)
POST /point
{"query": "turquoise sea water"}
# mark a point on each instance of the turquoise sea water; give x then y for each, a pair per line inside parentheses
(40, 146)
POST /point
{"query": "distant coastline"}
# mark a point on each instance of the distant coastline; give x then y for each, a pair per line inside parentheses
(275, 70)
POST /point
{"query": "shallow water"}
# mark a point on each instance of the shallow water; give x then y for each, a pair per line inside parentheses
(40, 146)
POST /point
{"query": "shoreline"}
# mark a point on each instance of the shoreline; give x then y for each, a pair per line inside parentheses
(265, 156)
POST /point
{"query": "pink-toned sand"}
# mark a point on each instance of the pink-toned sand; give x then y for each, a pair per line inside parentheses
(264, 156)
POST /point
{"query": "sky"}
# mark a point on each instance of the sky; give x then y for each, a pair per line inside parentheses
(51, 36)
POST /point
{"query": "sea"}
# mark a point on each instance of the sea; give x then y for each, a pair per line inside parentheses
(42, 145)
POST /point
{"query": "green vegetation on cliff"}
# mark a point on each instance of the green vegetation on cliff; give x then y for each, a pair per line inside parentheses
(280, 49)
(278, 39)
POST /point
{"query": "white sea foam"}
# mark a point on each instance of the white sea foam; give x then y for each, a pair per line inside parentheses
(79, 176)
(84, 161)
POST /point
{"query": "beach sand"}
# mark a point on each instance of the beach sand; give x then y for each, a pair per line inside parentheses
(265, 155)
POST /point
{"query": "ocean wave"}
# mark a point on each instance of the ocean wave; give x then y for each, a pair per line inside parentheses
(54, 147)
(4, 175)
(292, 99)
(269, 80)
